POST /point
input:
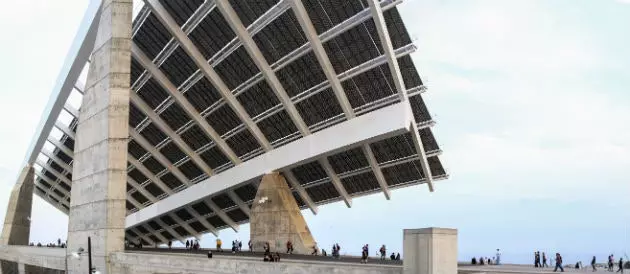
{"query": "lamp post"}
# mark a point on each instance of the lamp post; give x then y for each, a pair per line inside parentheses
(79, 252)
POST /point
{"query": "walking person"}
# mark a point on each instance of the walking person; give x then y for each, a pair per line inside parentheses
(498, 257)
(620, 265)
(251, 249)
(611, 263)
(289, 247)
(187, 244)
(170, 244)
(364, 254)
(593, 263)
(383, 251)
(536, 259)
(558, 263)
(544, 258)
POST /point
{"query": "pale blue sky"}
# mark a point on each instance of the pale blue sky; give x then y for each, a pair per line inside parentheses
(533, 108)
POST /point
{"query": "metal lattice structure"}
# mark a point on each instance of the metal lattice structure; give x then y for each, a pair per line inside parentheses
(220, 88)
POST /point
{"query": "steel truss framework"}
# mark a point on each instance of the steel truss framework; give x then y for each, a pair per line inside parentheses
(217, 83)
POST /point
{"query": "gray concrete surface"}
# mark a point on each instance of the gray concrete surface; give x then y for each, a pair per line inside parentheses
(140, 263)
(99, 177)
(276, 218)
(17, 223)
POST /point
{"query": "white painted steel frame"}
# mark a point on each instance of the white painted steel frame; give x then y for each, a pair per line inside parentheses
(386, 122)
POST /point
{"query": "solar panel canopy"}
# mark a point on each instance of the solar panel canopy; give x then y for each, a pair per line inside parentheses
(270, 89)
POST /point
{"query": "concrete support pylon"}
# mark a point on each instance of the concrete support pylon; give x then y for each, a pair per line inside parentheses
(97, 207)
(17, 222)
(276, 218)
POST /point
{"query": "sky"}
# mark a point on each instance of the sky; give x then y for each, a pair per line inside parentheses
(532, 104)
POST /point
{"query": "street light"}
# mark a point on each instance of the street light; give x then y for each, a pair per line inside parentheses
(77, 255)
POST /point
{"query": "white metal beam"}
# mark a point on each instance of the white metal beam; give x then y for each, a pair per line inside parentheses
(290, 177)
(386, 43)
(56, 159)
(370, 127)
(417, 142)
(50, 191)
(238, 202)
(143, 236)
(336, 181)
(54, 172)
(254, 52)
(61, 147)
(183, 102)
(156, 234)
(188, 46)
(202, 220)
(70, 109)
(158, 156)
(65, 129)
(134, 202)
(141, 189)
(378, 173)
(219, 212)
(136, 100)
(74, 63)
(147, 173)
(322, 57)
(171, 231)
(186, 226)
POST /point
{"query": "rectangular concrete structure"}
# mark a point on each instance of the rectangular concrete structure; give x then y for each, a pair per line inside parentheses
(97, 208)
(430, 251)
(276, 218)
(17, 222)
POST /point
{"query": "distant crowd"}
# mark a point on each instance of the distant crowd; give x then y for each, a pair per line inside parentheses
(270, 256)
(541, 259)
(59, 244)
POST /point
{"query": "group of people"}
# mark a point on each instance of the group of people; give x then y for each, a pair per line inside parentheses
(486, 260)
(190, 245)
(59, 244)
(611, 264)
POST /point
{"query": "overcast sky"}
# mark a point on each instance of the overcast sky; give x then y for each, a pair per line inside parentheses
(532, 102)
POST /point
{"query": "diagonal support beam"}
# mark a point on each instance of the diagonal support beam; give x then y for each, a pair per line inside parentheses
(168, 229)
(143, 236)
(417, 142)
(378, 173)
(54, 172)
(186, 226)
(65, 129)
(254, 52)
(141, 189)
(238, 202)
(219, 212)
(134, 202)
(334, 178)
(147, 173)
(158, 156)
(138, 102)
(156, 234)
(56, 159)
(290, 177)
(51, 192)
(318, 49)
(184, 103)
(203, 221)
(61, 147)
(386, 43)
(70, 109)
(214, 78)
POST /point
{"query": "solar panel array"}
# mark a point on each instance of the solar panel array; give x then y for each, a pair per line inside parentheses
(164, 133)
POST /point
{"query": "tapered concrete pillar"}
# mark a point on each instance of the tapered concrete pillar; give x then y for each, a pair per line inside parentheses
(17, 224)
(97, 207)
(276, 218)
(430, 251)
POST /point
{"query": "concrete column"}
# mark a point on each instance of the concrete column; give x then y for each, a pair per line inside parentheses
(97, 207)
(430, 251)
(21, 269)
(17, 224)
(276, 218)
